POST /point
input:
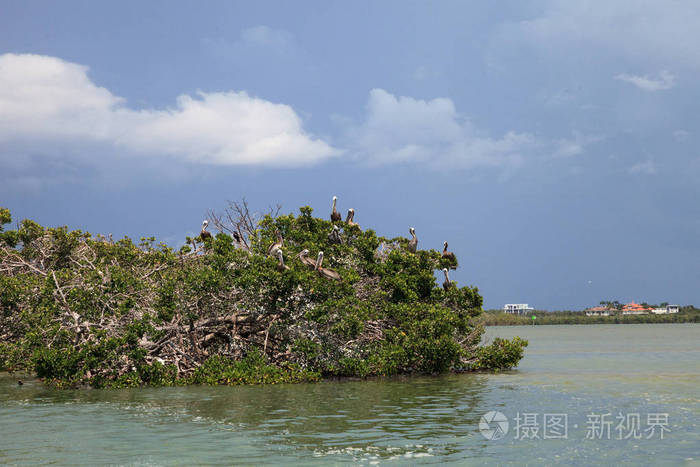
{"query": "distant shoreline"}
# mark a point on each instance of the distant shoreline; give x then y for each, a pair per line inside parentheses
(499, 318)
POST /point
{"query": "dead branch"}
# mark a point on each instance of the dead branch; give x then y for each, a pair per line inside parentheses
(239, 221)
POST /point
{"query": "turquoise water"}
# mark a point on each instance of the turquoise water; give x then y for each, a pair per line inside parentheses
(580, 371)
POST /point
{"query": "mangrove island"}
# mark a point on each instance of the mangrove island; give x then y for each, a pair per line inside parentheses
(270, 298)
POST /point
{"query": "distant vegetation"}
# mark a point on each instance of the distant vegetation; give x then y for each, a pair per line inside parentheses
(687, 314)
(79, 309)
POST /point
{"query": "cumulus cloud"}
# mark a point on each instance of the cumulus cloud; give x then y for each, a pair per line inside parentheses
(46, 101)
(432, 132)
(665, 81)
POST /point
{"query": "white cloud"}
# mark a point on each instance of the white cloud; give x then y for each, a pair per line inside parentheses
(46, 101)
(576, 145)
(642, 30)
(409, 130)
(665, 81)
(647, 167)
(568, 148)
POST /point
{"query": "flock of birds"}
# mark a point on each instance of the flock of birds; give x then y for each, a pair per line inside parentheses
(275, 250)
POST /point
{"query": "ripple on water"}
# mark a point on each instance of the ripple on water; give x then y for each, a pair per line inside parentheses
(402, 420)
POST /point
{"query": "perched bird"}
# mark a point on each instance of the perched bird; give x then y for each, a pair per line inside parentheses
(327, 273)
(304, 258)
(350, 219)
(281, 266)
(448, 283)
(237, 237)
(334, 236)
(272, 250)
(448, 255)
(413, 242)
(335, 215)
(203, 234)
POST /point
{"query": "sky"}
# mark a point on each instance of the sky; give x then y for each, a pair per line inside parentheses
(553, 144)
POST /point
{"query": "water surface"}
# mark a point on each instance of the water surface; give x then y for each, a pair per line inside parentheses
(581, 371)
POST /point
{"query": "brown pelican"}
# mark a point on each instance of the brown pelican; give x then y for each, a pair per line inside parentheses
(335, 215)
(281, 266)
(304, 258)
(334, 236)
(448, 255)
(327, 273)
(350, 220)
(447, 284)
(272, 250)
(203, 234)
(413, 242)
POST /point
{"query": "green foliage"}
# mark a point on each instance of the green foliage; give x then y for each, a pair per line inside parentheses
(252, 369)
(5, 218)
(82, 310)
(10, 238)
(500, 354)
(687, 314)
(29, 231)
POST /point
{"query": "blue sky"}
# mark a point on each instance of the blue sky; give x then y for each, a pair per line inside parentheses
(554, 144)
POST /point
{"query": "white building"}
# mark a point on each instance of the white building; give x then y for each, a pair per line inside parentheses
(668, 309)
(517, 308)
(598, 313)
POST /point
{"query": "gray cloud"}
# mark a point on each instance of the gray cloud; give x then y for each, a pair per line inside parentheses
(401, 130)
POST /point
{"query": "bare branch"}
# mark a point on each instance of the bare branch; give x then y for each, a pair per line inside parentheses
(239, 221)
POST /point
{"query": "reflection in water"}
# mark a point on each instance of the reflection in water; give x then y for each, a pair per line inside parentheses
(337, 416)
(576, 370)
(382, 419)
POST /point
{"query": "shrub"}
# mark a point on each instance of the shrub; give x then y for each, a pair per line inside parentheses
(501, 354)
(78, 309)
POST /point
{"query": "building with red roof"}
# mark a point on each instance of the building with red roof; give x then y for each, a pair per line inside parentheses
(635, 309)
